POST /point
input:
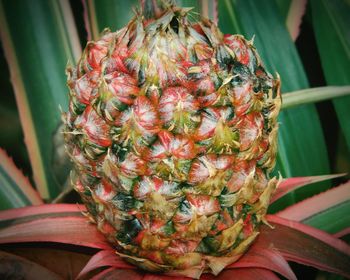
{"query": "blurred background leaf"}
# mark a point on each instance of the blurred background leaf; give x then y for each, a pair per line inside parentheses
(101, 14)
(332, 29)
(38, 38)
(16, 190)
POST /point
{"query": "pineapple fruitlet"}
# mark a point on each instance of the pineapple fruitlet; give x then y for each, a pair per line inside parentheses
(172, 129)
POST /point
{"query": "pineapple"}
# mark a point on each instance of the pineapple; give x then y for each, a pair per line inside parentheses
(172, 128)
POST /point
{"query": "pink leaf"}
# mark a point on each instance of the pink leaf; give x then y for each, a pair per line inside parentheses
(45, 209)
(342, 233)
(114, 274)
(291, 184)
(21, 181)
(271, 259)
(163, 277)
(61, 227)
(306, 245)
(256, 257)
(316, 204)
(294, 18)
(243, 274)
(104, 258)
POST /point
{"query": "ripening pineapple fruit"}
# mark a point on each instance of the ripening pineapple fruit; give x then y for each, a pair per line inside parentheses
(172, 129)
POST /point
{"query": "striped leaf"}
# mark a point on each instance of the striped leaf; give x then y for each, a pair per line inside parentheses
(106, 14)
(15, 189)
(38, 38)
(331, 24)
(326, 211)
(312, 95)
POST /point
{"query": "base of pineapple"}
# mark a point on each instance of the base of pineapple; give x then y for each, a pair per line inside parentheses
(193, 264)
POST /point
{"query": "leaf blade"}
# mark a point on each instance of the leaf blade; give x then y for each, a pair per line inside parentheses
(291, 239)
(324, 211)
(331, 22)
(15, 189)
(265, 258)
(36, 224)
(37, 47)
(290, 184)
(312, 95)
(104, 258)
(107, 14)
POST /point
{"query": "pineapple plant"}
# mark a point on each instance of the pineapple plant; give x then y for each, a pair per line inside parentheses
(172, 129)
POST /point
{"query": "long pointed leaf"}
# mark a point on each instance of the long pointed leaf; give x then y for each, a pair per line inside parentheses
(302, 149)
(326, 211)
(290, 184)
(244, 274)
(256, 257)
(38, 39)
(47, 209)
(104, 258)
(342, 233)
(306, 245)
(284, 7)
(107, 14)
(295, 14)
(265, 258)
(331, 23)
(313, 95)
(209, 9)
(60, 227)
(15, 189)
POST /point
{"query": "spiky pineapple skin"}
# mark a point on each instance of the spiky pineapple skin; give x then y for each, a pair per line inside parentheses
(172, 129)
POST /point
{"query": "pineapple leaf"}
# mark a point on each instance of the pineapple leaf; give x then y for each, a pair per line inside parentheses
(239, 273)
(291, 239)
(104, 258)
(247, 274)
(295, 15)
(312, 95)
(15, 189)
(38, 38)
(61, 223)
(344, 232)
(331, 25)
(267, 259)
(255, 258)
(209, 9)
(302, 149)
(284, 7)
(103, 14)
(196, 5)
(324, 211)
(290, 184)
